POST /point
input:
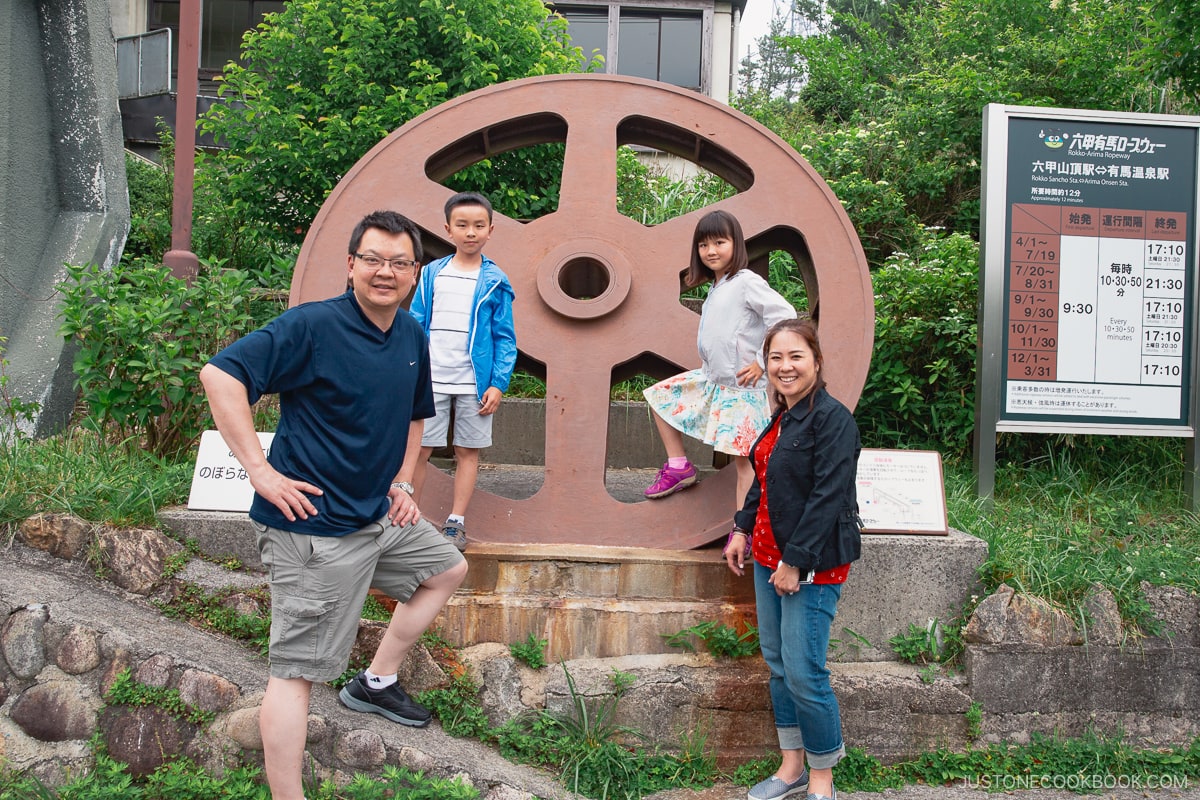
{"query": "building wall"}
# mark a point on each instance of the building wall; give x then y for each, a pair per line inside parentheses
(724, 48)
(128, 17)
(63, 198)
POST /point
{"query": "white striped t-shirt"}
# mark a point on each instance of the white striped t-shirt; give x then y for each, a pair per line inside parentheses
(449, 322)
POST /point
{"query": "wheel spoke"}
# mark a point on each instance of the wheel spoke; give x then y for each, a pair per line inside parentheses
(589, 178)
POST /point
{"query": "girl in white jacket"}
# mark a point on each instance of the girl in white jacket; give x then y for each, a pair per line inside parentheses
(724, 403)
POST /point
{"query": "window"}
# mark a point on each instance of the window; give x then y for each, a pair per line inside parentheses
(589, 30)
(222, 24)
(660, 47)
(660, 43)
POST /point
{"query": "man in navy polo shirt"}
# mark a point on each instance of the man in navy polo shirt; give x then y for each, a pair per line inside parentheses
(332, 504)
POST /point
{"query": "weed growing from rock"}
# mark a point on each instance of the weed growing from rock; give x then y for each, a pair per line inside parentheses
(209, 611)
(127, 691)
(531, 652)
(719, 639)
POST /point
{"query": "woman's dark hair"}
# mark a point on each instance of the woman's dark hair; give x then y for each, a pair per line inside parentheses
(806, 329)
(713, 225)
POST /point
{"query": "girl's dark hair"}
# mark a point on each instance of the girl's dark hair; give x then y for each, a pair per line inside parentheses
(711, 226)
(806, 329)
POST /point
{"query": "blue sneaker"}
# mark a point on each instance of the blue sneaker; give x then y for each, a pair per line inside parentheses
(456, 534)
(775, 789)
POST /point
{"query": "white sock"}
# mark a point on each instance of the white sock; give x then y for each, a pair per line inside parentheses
(378, 681)
(461, 520)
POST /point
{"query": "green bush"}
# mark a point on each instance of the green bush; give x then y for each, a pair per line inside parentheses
(150, 193)
(219, 234)
(920, 391)
(319, 84)
(142, 337)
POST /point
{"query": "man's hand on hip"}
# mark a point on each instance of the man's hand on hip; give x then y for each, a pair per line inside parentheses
(290, 496)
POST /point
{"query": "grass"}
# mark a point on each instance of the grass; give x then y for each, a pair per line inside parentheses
(1088, 763)
(597, 757)
(181, 779)
(1085, 512)
(80, 473)
(1069, 513)
(1085, 765)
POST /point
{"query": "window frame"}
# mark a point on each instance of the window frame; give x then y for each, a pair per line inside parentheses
(206, 71)
(705, 8)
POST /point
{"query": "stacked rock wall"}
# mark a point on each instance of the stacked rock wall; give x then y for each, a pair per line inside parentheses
(65, 636)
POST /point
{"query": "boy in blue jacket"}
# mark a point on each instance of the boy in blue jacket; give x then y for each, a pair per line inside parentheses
(464, 303)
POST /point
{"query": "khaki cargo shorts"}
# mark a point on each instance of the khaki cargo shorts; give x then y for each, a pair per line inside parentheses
(319, 585)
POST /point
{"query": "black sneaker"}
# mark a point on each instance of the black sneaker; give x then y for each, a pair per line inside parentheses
(392, 702)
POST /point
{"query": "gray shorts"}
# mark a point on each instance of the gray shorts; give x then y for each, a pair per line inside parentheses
(470, 428)
(319, 584)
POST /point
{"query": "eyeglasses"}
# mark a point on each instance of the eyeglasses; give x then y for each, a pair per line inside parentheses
(398, 265)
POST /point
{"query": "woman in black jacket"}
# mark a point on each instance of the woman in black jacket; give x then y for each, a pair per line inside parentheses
(802, 542)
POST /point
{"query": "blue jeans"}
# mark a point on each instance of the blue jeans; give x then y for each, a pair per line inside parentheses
(793, 633)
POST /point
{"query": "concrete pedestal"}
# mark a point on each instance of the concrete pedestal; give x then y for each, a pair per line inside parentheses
(590, 602)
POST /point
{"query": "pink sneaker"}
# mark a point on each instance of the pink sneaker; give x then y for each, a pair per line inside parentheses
(670, 481)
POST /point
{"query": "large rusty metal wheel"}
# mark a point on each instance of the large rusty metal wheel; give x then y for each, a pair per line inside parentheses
(630, 305)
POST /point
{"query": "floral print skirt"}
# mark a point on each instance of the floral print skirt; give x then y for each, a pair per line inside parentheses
(727, 417)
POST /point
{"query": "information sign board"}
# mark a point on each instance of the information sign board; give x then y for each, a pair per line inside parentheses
(1088, 277)
(901, 491)
(1098, 284)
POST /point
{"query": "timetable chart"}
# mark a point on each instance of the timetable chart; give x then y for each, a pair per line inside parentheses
(1096, 311)
(1033, 299)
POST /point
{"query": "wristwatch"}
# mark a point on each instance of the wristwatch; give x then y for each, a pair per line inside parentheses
(403, 486)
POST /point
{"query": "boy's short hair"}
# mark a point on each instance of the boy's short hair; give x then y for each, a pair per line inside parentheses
(468, 199)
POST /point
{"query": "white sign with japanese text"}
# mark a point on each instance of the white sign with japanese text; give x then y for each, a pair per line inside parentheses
(219, 483)
(901, 491)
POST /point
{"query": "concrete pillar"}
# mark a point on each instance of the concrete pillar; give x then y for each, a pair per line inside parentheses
(63, 197)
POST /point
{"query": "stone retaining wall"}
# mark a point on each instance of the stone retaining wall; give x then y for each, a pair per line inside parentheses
(65, 636)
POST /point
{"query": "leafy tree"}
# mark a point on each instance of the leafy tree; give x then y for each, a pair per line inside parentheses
(320, 83)
(772, 72)
(1174, 47)
(1027, 52)
(923, 73)
(854, 20)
